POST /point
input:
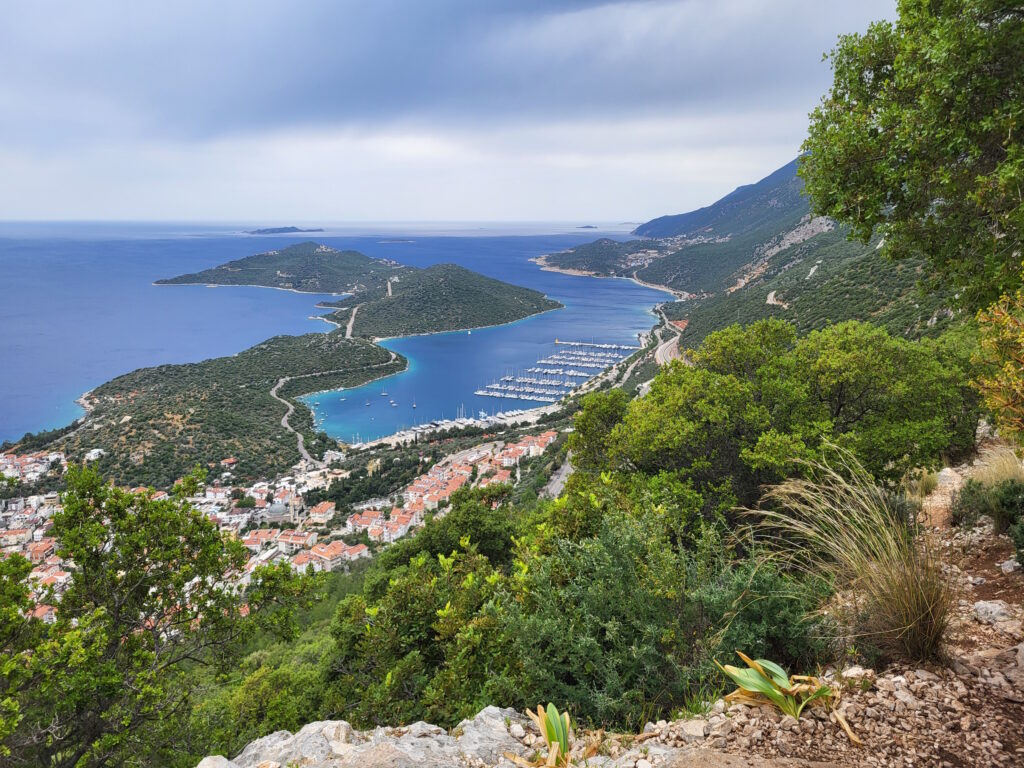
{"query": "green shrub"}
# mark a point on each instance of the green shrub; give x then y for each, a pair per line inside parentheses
(1016, 533)
(1007, 504)
(971, 502)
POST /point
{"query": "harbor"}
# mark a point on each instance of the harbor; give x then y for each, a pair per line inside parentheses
(603, 322)
(559, 373)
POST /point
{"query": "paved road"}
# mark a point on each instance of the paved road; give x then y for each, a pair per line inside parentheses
(555, 485)
(669, 348)
(299, 438)
(351, 320)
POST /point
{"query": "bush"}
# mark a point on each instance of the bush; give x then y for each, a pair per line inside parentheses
(971, 502)
(1007, 504)
(840, 524)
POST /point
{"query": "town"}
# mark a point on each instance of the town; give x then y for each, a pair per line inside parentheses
(271, 518)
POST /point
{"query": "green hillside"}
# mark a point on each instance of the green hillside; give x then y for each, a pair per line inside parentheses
(759, 243)
(747, 208)
(826, 279)
(309, 267)
(155, 424)
(443, 297)
(702, 251)
(607, 257)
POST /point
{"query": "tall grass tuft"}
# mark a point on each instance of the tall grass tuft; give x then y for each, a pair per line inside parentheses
(996, 465)
(838, 523)
(918, 484)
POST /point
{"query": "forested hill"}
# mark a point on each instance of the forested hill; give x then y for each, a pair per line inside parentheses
(443, 297)
(758, 253)
(392, 299)
(703, 251)
(773, 198)
(309, 267)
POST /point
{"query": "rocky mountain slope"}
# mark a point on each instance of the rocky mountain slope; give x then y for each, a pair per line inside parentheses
(758, 252)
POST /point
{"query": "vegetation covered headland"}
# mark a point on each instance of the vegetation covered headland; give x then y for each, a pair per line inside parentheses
(153, 425)
(392, 299)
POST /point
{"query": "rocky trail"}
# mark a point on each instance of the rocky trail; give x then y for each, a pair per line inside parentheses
(968, 712)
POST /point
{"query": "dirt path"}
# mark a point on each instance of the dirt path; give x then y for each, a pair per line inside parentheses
(352, 319)
(299, 438)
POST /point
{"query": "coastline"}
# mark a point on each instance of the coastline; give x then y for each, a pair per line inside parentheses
(254, 285)
(326, 319)
(378, 339)
(88, 404)
(542, 262)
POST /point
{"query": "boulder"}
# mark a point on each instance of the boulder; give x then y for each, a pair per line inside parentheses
(486, 736)
(257, 751)
(216, 761)
(693, 730)
(992, 611)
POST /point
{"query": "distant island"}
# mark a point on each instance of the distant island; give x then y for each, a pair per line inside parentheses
(281, 231)
(587, 226)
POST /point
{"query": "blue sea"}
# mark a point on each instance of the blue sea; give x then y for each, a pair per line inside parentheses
(78, 307)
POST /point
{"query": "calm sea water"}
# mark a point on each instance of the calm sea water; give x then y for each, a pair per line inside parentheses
(77, 307)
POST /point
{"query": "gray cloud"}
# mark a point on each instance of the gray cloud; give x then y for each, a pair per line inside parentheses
(145, 82)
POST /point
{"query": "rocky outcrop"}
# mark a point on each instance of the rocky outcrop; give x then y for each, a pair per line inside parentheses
(335, 744)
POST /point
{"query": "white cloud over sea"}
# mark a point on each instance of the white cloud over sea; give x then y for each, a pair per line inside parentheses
(403, 110)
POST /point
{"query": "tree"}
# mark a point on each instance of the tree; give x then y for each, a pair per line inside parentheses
(592, 425)
(151, 595)
(919, 139)
(1002, 348)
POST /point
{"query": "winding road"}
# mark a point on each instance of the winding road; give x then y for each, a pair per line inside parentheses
(299, 438)
(669, 349)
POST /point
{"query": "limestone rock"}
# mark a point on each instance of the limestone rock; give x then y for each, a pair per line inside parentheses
(992, 611)
(693, 730)
(486, 736)
(216, 761)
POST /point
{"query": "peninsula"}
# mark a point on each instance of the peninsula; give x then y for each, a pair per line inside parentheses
(154, 424)
(384, 298)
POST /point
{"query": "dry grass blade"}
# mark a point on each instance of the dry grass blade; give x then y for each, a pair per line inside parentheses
(840, 524)
(996, 464)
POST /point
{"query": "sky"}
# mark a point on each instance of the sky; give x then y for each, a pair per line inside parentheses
(403, 110)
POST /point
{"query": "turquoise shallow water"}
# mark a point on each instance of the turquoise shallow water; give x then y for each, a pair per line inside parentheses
(77, 307)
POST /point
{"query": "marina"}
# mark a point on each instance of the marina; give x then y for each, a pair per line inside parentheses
(601, 324)
(577, 364)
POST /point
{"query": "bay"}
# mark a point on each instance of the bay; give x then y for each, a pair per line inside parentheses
(77, 307)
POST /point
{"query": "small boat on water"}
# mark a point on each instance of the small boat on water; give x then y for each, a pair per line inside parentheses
(367, 402)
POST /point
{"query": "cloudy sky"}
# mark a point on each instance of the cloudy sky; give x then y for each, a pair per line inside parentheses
(403, 110)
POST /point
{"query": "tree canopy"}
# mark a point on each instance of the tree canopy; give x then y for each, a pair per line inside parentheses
(919, 139)
(151, 595)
